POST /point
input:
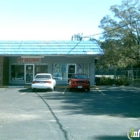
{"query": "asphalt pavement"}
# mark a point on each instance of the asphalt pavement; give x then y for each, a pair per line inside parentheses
(104, 113)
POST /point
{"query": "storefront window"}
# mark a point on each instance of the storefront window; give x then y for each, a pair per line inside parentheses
(80, 68)
(83, 68)
(64, 71)
(86, 69)
(41, 69)
(59, 71)
(17, 72)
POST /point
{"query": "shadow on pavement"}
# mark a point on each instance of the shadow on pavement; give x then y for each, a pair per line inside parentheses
(37, 90)
(122, 102)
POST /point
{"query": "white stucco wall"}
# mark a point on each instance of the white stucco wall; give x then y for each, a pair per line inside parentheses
(92, 72)
(62, 59)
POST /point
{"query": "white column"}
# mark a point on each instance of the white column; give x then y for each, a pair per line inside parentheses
(92, 72)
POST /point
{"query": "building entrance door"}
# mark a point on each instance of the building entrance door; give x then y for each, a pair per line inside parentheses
(71, 69)
(29, 73)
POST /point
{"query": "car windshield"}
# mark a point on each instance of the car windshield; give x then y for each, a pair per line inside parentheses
(43, 76)
(78, 76)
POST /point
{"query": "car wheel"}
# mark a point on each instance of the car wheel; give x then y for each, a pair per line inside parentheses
(70, 89)
(33, 89)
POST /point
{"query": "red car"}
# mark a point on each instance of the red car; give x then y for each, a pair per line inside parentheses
(79, 81)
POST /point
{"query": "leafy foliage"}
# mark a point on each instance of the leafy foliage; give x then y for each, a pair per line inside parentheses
(121, 40)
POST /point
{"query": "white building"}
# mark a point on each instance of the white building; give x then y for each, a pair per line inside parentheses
(21, 60)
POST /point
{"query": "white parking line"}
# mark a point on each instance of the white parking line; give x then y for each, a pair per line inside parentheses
(23, 93)
(28, 90)
(64, 91)
(100, 91)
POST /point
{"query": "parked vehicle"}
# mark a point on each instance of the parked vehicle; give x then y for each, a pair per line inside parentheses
(79, 81)
(43, 81)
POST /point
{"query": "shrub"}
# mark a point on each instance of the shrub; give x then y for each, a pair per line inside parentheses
(136, 82)
(122, 81)
(104, 81)
(108, 81)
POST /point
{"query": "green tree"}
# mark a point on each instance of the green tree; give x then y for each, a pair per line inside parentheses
(121, 35)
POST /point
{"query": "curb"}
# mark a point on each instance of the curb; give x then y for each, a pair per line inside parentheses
(94, 86)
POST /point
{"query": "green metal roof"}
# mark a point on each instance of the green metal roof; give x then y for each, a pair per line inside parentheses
(49, 48)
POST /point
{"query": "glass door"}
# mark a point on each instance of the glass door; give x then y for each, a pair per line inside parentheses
(29, 73)
(71, 69)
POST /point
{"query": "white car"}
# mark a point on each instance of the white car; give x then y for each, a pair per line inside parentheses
(43, 81)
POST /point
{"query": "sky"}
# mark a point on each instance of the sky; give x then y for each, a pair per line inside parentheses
(51, 19)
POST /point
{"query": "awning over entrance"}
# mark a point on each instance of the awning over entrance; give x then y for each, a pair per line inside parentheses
(18, 48)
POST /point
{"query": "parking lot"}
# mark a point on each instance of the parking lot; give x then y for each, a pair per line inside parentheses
(104, 113)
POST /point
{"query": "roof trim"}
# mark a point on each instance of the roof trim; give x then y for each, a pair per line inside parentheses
(56, 48)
